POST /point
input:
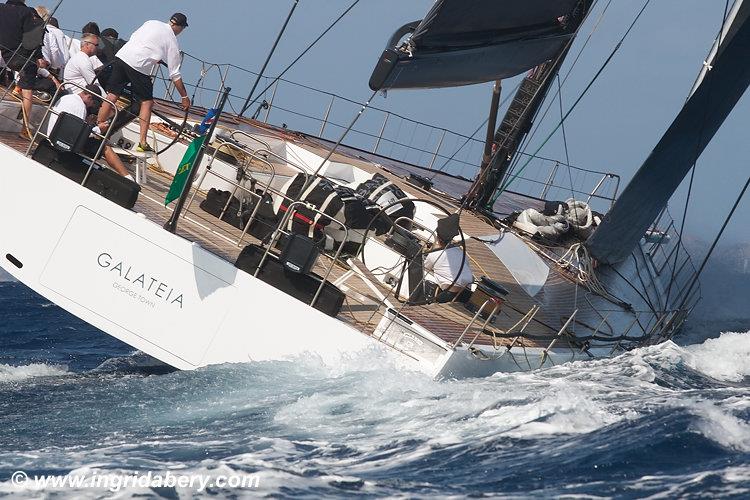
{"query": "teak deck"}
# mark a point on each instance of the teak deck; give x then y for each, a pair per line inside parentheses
(362, 309)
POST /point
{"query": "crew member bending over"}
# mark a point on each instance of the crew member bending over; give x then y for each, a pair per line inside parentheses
(153, 42)
(54, 50)
(78, 105)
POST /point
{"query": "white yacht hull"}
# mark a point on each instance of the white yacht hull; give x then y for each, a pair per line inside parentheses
(153, 290)
(185, 306)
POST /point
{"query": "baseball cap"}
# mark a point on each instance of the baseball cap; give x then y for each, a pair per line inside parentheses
(179, 19)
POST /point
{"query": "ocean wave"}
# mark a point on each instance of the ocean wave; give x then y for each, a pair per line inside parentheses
(724, 358)
(9, 373)
(651, 420)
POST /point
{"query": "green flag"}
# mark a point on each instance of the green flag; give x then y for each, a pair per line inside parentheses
(180, 177)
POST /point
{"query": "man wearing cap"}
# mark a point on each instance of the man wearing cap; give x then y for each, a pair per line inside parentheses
(136, 61)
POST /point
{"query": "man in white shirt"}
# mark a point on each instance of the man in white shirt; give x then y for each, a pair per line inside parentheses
(78, 104)
(447, 265)
(444, 267)
(79, 69)
(153, 42)
(54, 50)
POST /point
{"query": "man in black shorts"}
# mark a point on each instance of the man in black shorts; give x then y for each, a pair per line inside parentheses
(17, 22)
(136, 61)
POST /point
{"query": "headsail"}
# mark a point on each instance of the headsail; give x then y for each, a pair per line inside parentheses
(661, 174)
(463, 43)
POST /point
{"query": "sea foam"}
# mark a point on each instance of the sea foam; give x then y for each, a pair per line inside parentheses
(9, 373)
(725, 358)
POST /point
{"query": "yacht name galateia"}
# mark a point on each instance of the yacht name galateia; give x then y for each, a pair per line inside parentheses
(147, 283)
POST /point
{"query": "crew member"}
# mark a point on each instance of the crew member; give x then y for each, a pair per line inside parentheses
(16, 19)
(78, 104)
(54, 49)
(80, 68)
(153, 42)
(111, 43)
(447, 267)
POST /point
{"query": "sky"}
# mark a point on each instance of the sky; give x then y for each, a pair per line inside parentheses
(613, 129)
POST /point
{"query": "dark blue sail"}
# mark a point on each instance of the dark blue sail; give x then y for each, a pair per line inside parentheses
(670, 161)
(463, 43)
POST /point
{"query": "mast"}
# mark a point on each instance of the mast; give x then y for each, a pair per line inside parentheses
(492, 123)
(519, 117)
(515, 125)
(723, 81)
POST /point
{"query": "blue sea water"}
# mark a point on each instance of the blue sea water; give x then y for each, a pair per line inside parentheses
(663, 421)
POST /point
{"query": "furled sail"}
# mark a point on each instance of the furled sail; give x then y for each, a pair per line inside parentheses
(463, 43)
(661, 174)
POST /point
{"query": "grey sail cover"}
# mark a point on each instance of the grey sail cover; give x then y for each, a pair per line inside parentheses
(670, 161)
(463, 42)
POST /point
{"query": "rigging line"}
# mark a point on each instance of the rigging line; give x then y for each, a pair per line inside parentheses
(440, 169)
(565, 139)
(715, 242)
(557, 64)
(646, 301)
(693, 168)
(480, 127)
(268, 59)
(578, 100)
(530, 136)
(184, 118)
(567, 156)
(643, 283)
(346, 132)
(302, 54)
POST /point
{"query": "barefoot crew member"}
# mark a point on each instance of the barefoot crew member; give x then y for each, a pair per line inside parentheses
(153, 42)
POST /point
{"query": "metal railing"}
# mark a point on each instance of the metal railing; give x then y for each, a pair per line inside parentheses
(382, 132)
(258, 197)
(668, 257)
(103, 137)
(382, 305)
